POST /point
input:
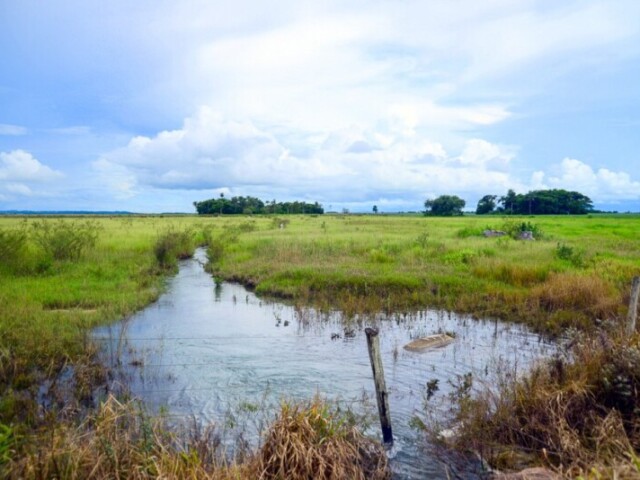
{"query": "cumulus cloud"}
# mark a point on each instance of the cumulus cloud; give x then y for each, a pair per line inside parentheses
(19, 165)
(601, 184)
(212, 152)
(19, 171)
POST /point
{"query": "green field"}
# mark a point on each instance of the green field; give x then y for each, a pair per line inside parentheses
(577, 272)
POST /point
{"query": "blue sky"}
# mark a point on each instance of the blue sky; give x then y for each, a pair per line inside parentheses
(149, 105)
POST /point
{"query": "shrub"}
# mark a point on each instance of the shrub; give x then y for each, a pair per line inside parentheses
(65, 240)
(515, 228)
(173, 245)
(571, 254)
(278, 222)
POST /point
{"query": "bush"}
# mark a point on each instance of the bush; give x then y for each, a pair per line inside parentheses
(573, 255)
(173, 245)
(515, 228)
(65, 240)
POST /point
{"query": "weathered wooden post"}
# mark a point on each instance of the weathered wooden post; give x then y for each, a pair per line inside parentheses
(633, 306)
(373, 343)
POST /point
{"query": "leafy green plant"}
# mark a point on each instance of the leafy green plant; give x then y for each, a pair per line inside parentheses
(7, 440)
(65, 240)
(515, 228)
(571, 254)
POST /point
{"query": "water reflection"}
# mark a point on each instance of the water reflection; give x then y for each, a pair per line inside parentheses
(216, 352)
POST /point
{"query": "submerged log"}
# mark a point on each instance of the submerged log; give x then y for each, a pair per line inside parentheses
(432, 341)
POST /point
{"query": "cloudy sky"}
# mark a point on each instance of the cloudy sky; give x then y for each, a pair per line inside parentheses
(149, 105)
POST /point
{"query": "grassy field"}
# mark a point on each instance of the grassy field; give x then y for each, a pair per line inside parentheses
(61, 277)
(578, 270)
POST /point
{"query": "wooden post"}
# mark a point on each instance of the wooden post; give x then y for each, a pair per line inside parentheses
(633, 306)
(373, 343)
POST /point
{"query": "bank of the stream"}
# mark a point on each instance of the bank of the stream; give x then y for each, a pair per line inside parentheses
(217, 354)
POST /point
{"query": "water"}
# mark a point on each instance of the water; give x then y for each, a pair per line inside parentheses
(219, 353)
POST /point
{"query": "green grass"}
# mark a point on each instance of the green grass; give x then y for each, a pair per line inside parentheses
(385, 262)
(51, 296)
(357, 263)
(49, 302)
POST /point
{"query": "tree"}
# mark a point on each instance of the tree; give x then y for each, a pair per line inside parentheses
(546, 202)
(253, 206)
(508, 201)
(375, 209)
(444, 206)
(487, 204)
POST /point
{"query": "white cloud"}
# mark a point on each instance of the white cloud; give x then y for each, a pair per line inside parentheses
(601, 185)
(19, 169)
(12, 130)
(19, 165)
(481, 153)
(211, 152)
(337, 100)
(19, 189)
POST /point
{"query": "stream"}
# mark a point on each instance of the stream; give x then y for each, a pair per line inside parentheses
(208, 352)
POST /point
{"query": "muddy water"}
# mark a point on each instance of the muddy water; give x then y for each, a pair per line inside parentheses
(217, 353)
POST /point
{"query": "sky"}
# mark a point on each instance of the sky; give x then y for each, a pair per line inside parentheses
(151, 105)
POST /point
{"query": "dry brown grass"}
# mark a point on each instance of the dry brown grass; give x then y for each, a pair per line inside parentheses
(119, 442)
(578, 293)
(312, 442)
(572, 413)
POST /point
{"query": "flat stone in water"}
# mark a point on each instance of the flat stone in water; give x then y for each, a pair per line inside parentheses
(432, 341)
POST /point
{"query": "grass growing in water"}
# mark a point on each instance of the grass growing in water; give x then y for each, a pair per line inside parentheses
(309, 440)
(577, 413)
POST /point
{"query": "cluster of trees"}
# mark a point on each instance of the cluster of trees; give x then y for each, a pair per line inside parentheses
(253, 205)
(537, 202)
(444, 206)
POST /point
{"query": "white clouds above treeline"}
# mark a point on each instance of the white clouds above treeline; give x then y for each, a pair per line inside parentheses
(347, 166)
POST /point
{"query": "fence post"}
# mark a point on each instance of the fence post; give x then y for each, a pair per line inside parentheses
(373, 343)
(633, 306)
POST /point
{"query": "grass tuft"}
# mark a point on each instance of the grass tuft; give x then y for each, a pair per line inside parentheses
(312, 441)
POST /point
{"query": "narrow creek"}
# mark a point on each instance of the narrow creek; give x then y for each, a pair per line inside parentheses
(217, 353)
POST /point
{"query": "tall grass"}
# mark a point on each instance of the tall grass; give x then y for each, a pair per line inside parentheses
(65, 240)
(120, 441)
(173, 245)
(577, 413)
(13, 250)
(368, 263)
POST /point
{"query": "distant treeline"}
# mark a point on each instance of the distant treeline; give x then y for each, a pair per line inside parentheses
(537, 202)
(252, 205)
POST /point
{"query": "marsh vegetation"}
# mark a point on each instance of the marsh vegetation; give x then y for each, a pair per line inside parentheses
(60, 277)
